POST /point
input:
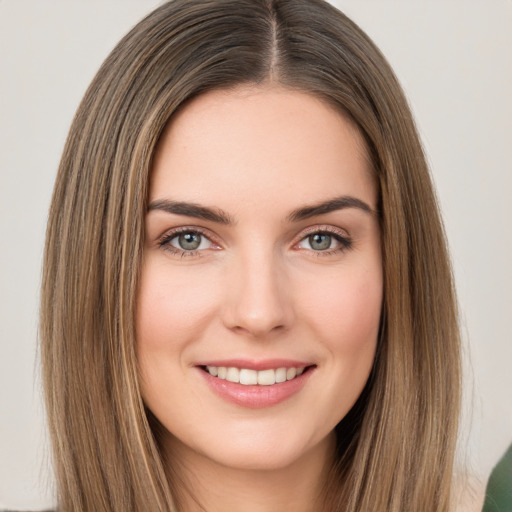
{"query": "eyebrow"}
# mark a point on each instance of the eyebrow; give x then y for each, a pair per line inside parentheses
(221, 217)
(338, 203)
(191, 210)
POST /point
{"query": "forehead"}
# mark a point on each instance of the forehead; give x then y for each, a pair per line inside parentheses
(253, 142)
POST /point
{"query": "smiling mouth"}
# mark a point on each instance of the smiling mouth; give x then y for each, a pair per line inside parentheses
(250, 377)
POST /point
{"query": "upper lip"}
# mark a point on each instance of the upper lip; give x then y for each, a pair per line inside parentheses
(251, 364)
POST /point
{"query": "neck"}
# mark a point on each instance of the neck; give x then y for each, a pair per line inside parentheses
(211, 487)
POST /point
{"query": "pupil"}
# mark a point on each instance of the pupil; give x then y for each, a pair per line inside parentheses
(320, 242)
(189, 241)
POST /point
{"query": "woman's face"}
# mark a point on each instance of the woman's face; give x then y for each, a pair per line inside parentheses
(262, 260)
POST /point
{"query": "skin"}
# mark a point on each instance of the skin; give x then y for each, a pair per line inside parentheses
(258, 288)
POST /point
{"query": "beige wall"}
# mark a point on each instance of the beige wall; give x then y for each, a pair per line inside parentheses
(454, 60)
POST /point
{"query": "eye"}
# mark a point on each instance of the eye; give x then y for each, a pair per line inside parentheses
(325, 241)
(186, 242)
(189, 241)
(320, 241)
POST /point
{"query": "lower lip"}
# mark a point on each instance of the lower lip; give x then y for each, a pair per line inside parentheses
(256, 397)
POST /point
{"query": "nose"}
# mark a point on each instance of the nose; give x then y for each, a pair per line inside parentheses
(258, 298)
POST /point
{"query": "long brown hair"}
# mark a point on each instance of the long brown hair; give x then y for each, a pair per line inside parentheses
(396, 446)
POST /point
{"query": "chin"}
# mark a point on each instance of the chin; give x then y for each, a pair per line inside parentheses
(264, 452)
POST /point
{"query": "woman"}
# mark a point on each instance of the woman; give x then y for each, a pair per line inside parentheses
(247, 301)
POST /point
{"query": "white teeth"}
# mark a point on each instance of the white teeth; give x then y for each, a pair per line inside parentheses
(290, 373)
(253, 377)
(233, 375)
(248, 377)
(281, 375)
(266, 377)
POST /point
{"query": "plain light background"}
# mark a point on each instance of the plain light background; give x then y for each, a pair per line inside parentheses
(454, 59)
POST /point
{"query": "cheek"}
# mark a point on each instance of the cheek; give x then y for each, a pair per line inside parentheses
(341, 309)
(172, 305)
(174, 308)
(347, 310)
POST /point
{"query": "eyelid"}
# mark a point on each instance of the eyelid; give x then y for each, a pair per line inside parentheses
(322, 228)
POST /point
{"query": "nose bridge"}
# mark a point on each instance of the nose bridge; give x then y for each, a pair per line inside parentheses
(258, 301)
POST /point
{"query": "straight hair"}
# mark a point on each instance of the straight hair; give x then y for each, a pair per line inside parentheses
(396, 446)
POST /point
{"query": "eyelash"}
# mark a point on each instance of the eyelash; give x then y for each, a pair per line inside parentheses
(345, 241)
